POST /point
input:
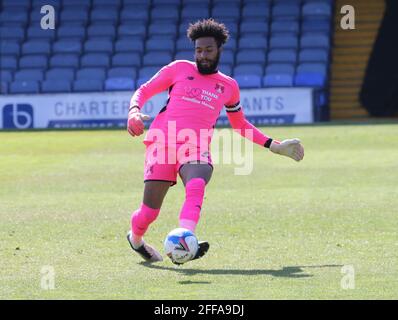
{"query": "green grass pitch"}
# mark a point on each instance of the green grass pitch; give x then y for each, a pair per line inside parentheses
(284, 232)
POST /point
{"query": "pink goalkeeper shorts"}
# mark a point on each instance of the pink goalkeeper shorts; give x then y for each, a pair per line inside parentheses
(163, 162)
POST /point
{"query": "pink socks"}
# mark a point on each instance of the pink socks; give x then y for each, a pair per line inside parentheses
(190, 212)
(140, 221)
(189, 215)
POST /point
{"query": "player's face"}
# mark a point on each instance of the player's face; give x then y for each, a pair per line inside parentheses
(207, 54)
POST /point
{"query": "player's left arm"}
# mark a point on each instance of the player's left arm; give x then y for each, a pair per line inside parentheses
(291, 147)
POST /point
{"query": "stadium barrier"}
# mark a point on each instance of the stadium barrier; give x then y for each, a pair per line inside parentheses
(109, 109)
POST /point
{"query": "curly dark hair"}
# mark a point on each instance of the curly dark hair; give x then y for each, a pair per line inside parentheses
(208, 28)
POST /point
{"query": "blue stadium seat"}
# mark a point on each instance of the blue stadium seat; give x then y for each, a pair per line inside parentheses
(163, 2)
(95, 45)
(182, 27)
(56, 85)
(314, 55)
(64, 60)
(15, 33)
(8, 62)
(84, 85)
(105, 13)
(148, 72)
(126, 59)
(280, 68)
(221, 11)
(36, 32)
(165, 12)
(19, 5)
(227, 56)
(282, 55)
(129, 45)
(60, 73)
(101, 31)
(6, 76)
(248, 81)
(14, 16)
(114, 84)
(141, 81)
(157, 58)
(248, 42)
(162, 29)
(254, 27)
(303, 79)
(95, 60)
(206, 3)
(125, 30)
(67, 46)
(225, 68)
(283, 41)
(100, 3)
(314, 41)
(54, 3)
(285, 26)
(134, 14)
(72, 14)
(286, 11)
(184, 44)
(278, 80)
(231, 44)
(256, 10)
(320, 68)
(28, 74)
(195, 12)
(84, 3)
(33, 61)
(248, 69)
(76, 32)
(122, 72)
(317, 9)
(3, 87)
(251, 56)
(160, 44)
(90, 74)
(24, 86)
(9, 47)
(36, 47)
(185, 55)
(315, 25)
(233, 27)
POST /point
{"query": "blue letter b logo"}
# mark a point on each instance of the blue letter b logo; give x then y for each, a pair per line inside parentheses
(17, 116)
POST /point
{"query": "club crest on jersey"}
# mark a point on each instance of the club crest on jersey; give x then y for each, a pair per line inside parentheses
(219, 88)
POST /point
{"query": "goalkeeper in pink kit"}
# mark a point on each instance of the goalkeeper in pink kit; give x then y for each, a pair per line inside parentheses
(176, 143)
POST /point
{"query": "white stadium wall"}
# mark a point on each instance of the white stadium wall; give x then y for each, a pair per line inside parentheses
(109, 109)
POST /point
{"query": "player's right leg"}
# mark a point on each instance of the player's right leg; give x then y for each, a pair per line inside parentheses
(154, 193)
(159, 175)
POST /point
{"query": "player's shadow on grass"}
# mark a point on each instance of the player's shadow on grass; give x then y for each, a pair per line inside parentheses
(285, 272)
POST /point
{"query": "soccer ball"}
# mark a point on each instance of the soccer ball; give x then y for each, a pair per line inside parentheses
(181, 245)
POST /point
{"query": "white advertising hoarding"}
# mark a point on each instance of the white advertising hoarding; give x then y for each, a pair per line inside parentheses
(109, 109)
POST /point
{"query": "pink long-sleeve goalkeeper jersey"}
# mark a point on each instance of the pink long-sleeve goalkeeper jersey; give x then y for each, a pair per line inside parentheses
(195, 102)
